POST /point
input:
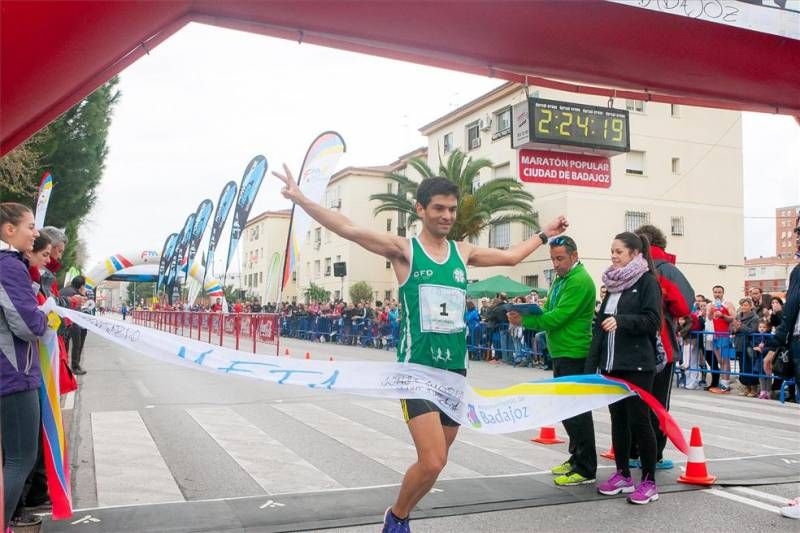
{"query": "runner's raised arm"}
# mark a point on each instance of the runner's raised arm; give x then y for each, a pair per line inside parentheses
(485, 257)
(389, 246)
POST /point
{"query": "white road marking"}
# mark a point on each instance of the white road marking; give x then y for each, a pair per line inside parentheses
(69, 401)
(389, 451)
(763, 495)
(142, 389)
(742, 499)
(128, 465)
(271, 464)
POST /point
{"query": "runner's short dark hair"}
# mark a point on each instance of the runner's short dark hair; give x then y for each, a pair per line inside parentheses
(430, 187)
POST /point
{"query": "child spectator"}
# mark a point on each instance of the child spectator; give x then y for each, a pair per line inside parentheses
(764, 347)
(744, 324)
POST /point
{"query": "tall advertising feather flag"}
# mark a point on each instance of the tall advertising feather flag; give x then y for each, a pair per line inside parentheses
(177, 260)
(201, 218)
(318, 166)
(251, 182)
(43, 199)
(166, 258)
(224, 204)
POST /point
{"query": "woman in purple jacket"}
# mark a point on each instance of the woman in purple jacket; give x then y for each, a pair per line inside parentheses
(21, 323)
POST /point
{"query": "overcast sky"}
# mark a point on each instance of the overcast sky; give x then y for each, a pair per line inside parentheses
(197, 108)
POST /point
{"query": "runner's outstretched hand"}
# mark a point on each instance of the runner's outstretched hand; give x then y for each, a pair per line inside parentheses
(290, 190)
(556, 227)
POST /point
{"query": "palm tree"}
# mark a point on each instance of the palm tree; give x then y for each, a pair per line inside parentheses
(495, 202)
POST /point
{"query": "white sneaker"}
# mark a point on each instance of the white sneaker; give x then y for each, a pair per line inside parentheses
(792, 510)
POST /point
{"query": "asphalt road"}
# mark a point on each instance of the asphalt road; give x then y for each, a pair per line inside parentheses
(157, 447)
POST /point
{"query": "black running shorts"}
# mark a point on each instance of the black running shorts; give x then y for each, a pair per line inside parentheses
(415, 407)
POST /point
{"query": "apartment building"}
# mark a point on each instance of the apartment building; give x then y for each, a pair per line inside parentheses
(263, 242)
(683, 173)
(785, 222)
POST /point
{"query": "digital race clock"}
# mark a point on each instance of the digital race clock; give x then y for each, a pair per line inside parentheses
(573, 127)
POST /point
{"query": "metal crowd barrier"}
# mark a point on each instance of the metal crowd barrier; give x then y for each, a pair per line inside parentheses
(746, 361)
(484, 341)
(213, 327)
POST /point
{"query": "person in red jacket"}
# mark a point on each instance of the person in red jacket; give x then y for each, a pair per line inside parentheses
(677, 294)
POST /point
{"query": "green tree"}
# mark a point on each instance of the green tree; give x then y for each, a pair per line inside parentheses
(141, 290)
(315, 292)
(495, 202)
(73, 148)
(360, 292)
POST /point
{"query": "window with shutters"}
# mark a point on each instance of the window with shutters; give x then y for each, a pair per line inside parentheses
(500, 235)
(634, 219)
(634, 163)
(677, 225)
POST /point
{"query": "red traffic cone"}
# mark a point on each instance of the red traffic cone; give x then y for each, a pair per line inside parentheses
(308, 355)
(547, 435)
(609, 454)
(286, 353)
(696, 471)
(331, 359)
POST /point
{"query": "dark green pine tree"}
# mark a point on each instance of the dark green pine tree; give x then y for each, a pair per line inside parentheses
(73, 148)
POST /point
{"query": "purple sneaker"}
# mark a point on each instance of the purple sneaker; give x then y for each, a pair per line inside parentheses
(645, 493)
(616, 484)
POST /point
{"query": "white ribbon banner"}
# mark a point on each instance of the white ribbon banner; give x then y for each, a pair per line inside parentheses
(516, 408)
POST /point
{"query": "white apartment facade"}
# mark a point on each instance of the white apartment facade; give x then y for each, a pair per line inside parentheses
(264, 236)
(684, 174)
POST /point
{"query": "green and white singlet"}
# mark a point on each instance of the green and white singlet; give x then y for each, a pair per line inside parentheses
(434, 296)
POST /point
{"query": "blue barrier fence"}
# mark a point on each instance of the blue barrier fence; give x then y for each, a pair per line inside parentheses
(703, 353)
(484, 341)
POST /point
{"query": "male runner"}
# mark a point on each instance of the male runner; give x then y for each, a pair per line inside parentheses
(432, 274)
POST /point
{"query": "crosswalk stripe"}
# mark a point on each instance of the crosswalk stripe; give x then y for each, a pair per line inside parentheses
(741, 437)
(272, 465)
(789, 418)
(744, 432)
(128, 467)
(742, 499)
(384, 449)
(763, 495)
(522, 452)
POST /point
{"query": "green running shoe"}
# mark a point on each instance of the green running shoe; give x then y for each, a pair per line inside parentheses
(563, 468)
(572, 479)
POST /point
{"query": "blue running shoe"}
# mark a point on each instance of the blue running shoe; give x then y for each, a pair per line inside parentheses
(393, 525)
(634, 463)
(665, 464)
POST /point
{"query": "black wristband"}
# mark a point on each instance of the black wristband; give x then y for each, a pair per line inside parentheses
(543, 236)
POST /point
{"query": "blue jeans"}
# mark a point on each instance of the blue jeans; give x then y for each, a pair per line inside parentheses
(19, 420)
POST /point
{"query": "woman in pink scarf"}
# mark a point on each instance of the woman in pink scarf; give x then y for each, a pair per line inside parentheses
(624, 345)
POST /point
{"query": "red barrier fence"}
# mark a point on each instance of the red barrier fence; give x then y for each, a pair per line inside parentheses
(214, 327)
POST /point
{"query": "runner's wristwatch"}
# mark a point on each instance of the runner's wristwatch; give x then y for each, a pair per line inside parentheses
(543, 236)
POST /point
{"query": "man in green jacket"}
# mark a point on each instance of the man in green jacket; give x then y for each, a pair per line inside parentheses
(567, 321)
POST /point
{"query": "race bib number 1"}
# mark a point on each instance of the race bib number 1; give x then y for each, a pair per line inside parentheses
(441, 309)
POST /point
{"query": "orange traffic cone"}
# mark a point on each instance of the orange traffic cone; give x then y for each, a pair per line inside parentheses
(696, 471)
(547, 435)
(609, 454)
(308, 355)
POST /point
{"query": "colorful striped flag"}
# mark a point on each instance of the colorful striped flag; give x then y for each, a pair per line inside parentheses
(43, 199)
(54, 439)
